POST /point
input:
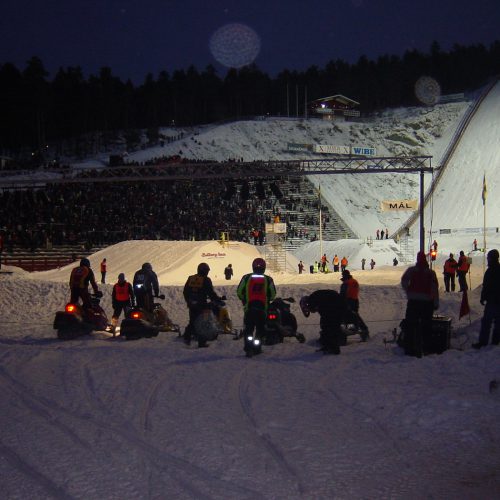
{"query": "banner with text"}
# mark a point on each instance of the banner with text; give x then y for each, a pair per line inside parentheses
(331, 149)
(399, 205)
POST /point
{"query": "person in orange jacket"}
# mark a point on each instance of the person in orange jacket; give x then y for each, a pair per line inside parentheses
(80, 278)
(122, 298)
(449, 271)
(343, 263)
(336, 263)
(349, 291)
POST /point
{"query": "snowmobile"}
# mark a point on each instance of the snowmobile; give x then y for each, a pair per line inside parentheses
(213, 320)
(281, 322)
(139, 322)
(76, 320)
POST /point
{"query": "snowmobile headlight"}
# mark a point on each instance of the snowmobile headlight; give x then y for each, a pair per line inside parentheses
(256, 342)
(250, 339)
(136, 315)
(71, 308)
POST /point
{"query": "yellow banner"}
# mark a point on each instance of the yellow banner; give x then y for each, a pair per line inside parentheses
(398, 205)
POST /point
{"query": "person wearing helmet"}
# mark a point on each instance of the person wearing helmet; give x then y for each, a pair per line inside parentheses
(145, 285)
(332, 309)
(122, 298)
(349, 291)
(256, 291)
(79, 280)
(197, 290)
(490, 299)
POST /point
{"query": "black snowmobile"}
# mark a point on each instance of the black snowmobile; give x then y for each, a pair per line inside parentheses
(281, 322)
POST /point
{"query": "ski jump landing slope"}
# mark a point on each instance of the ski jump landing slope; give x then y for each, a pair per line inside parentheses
(173, 261)
(457, 203)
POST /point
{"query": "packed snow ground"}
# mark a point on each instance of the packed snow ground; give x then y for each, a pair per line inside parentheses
(97, 418)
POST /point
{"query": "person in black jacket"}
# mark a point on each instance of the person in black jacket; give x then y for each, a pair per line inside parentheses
(490, 299)
(197, 290)
(228, 271)
(332, 309)
(145, 285)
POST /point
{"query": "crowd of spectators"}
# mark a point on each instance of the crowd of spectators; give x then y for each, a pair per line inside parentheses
(96, 214)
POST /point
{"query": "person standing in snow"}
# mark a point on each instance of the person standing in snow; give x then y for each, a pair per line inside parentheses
(103, 271)
(372, 264)
(349, 291)
(363, 262)
(422, 290)
(122, 297)
(490, 299)
(449, 271)
(228, 271)
(336, 263)
(462, 270)
(343, 263)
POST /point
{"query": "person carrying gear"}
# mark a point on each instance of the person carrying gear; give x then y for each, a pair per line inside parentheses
(462, 270)
(332, 309)
(197, 290)
(449, 271)
(490, 294)
(256, 291)
(79, 281)
(122, 298)
(349, 291)
(422, 290)
(145, 285)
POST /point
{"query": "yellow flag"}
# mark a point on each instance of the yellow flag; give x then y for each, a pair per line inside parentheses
(485, 191)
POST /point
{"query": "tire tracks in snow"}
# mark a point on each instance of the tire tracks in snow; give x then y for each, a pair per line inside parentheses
(264, 440)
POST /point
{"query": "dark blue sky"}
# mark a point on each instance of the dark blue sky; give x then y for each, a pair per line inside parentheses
(135, 37)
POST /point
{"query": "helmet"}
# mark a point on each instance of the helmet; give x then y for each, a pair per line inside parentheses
(259, 265)
(85, 262)
(304, 306)
(203, 269)
(147, 266)
(345, 275)
(121, 277)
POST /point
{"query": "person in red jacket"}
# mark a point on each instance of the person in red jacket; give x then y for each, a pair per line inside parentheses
(462, 270)
(122, 298)
(103, 271)
(79, 281)
(449, 271)
(422, 290)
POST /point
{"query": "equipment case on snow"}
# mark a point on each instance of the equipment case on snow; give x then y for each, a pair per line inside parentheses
(434, 342)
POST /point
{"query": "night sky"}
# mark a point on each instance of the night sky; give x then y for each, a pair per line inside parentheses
(135, 37)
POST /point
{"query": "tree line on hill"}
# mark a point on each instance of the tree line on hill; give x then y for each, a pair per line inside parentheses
(37, 111)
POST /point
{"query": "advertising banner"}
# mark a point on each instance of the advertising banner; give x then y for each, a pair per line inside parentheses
(331, 149)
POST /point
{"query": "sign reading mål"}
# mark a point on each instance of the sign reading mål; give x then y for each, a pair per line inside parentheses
(399, 205)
